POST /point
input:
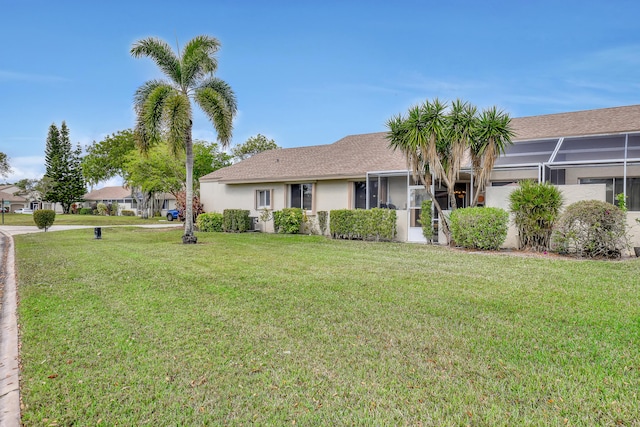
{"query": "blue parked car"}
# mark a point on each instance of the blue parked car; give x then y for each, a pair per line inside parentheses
(172, 214)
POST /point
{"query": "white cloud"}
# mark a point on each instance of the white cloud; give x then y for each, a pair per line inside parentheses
(31, 167)
(6, 75)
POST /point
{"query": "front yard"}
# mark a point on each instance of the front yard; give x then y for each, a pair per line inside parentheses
(138, 329)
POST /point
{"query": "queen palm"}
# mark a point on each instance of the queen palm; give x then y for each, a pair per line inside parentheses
(163, 107)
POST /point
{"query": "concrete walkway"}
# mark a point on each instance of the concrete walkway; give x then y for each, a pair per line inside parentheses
(9, 361)
(9, 368)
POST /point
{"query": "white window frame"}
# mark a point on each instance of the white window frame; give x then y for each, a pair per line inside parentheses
(259, 201)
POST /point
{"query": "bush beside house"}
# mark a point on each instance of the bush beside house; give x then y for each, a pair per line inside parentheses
(479, 228)
(372, 224)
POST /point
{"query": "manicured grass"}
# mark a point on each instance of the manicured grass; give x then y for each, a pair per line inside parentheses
(138, 329)
(69, 219)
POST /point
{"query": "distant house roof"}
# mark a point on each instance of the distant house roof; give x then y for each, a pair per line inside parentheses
(355, 155)
(109, 193)
(11, 197)
(9, 188)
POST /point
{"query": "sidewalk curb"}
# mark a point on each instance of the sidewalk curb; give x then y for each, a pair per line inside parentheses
(9, 362)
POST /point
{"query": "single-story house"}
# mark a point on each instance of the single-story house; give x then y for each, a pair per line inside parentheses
(592, 154)
(126, 200)
(11, 202)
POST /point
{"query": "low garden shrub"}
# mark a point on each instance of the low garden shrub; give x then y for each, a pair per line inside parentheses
(127, 213)
(592, 228)
(288, 220)
(372, 224)
(102, 209)
(85, 211)
(210, 222)
(323, 221)
(44, 218)
(479, 228)
(235, 220)
(536, 207)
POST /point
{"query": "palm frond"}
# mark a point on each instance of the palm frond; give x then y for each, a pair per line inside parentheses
(160, 53)
(177, 111)
(198, 59)
(215, 106)
(225, 91)
(150, 119)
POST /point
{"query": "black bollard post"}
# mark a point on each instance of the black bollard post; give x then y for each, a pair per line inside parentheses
(97, 232)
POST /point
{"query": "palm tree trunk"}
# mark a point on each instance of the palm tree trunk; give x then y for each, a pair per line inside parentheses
(188, 236)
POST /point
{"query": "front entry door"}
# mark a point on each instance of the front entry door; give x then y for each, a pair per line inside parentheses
(417, 194)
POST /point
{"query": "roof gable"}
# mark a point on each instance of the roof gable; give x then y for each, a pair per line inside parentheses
(109, 193)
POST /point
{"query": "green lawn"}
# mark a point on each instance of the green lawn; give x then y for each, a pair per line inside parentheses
(61, 219)
(138, 329)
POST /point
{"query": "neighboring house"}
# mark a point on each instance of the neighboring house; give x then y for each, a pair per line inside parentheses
(12, 201)
(591, 154)
(125, 199)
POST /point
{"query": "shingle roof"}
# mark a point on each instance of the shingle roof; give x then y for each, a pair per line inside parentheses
(108, 193)
(355, 155)
(578, 123)
(350, 157)
(11, 197)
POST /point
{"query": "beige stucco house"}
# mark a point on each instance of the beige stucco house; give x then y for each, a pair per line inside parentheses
(591, 154)
(126, 200)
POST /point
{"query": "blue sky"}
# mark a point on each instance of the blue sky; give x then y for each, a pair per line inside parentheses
(310, 72)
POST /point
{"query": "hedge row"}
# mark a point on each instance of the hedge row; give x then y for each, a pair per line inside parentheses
(236, 221)
(373, 224)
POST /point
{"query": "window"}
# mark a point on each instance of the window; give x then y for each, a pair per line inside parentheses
(360, 195)
(263, 199)
(616, 186)
(301, 196)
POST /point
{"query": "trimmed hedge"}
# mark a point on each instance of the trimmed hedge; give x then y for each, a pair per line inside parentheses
(373, 224)
(44, 218)
(127, 213)
(479, 228)
(210, 222)
(235, 220)
(288, 221)
(85, 211)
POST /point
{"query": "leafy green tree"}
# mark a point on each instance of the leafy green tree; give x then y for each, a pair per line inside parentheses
(5, 169)
(159, 171)
(163, 107)
(63, 168)
(253, 145)
(106, 159)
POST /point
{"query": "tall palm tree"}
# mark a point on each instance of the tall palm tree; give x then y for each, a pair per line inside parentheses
(493, 136)
(163, 107)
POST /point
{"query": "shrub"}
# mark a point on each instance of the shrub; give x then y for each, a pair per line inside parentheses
(288, 220)
(425, 220)
(113, 209)
(592, 228)
(535, 207)
(102, 209)
(210, 222)
(85, 211)
(479, 228)
(323, 217)
(373, 224)
(235, 220)
(44, 218)
(127, 213)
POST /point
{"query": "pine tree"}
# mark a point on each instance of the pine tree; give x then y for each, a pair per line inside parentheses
(63, 168)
